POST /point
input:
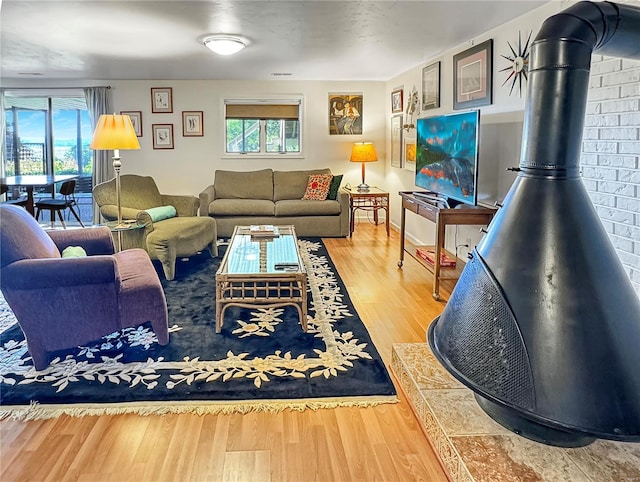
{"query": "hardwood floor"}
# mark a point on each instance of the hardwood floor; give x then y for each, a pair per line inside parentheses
(383, 443)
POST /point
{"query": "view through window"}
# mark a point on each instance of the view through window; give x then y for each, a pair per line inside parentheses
(262, 127)
(50, 135)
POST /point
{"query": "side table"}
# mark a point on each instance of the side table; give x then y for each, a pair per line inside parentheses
(130, 227)
(372, 201)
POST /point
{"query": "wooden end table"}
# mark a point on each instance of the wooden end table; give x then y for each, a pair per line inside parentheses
(372, 201)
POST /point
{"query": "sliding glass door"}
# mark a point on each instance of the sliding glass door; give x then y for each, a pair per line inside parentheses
(50, 135)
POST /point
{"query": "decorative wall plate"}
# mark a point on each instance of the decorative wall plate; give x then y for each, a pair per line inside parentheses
(518, 70)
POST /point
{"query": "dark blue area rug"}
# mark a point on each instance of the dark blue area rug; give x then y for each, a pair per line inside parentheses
(262, 360)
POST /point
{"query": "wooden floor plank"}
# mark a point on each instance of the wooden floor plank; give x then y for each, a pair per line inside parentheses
(343, 444)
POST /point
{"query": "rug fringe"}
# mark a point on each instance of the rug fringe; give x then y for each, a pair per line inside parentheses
(36, 411)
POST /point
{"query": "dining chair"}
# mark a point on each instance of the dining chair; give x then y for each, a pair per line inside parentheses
(57, 205)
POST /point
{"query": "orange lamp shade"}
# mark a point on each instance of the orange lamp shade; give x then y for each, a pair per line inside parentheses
(363, 152)
(114, 132)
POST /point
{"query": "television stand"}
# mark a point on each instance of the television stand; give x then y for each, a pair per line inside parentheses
(442, 217)
(432, 198)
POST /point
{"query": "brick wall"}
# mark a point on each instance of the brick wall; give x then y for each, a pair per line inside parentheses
(611, 155)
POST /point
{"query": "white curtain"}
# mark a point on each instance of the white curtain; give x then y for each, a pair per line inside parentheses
(99, 102)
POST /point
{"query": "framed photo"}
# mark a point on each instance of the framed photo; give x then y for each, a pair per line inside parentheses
(396, 101)
(162, 136)
(431, 86)
(161, 100)
(409, 153)
(396, 140)
(136, 120)
(345, 114)
(473, 77)
(192, 125)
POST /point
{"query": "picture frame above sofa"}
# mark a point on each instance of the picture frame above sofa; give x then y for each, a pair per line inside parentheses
(162, 136)
(161, 100)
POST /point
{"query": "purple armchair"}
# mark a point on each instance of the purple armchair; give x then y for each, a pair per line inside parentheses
(65, 302)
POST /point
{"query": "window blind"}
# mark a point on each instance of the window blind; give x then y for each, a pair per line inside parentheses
(262, 111)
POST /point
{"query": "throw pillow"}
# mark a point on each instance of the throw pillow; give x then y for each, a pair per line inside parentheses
(317, 187)
(335, 185)
(74, 252)
(162, 212)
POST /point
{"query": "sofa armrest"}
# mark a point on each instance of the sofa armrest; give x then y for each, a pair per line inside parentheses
(55, 273)
(206, 197)
(110, 212)
(343, 199)
(94, 241)
(185, 205)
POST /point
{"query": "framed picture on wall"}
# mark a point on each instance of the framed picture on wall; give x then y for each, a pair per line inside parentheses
(396, 100)
(431, 86)
(192, 124)
(472, 76)
(345, 114)
(136, 120)
(396, 141)
(409, 152)
(162, 136)
(161, 100)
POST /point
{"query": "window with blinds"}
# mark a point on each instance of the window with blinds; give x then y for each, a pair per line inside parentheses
(263, 127)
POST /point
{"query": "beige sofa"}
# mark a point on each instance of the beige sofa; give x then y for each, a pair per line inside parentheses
(273, 197)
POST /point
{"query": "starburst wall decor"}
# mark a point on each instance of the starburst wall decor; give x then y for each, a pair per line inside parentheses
(519, 67)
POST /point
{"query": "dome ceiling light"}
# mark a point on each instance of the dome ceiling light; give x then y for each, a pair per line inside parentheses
(224, 44)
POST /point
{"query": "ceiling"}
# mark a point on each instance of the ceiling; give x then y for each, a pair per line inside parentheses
(296, 40)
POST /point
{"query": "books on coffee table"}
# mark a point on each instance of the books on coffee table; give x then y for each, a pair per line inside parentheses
(263, 231)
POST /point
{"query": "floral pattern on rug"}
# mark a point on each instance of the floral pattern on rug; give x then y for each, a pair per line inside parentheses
(327, 308)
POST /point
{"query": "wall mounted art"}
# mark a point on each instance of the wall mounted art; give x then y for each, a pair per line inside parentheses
(136, 120)
(192, 124)
(431, 86)
(472, 76)
(345, 114)
(162, 136)
(409, 152)
(161, 100)
(396, 101)
(518, 64)
(396, 140)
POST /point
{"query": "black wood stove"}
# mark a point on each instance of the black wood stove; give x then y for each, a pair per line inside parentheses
(544, 324)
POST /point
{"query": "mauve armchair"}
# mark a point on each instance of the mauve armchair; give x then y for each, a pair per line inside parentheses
(65, 302)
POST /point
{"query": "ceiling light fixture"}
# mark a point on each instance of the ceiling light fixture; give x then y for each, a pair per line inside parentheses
(224, 44)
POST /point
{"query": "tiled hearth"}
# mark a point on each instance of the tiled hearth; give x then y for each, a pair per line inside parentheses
(472, 447)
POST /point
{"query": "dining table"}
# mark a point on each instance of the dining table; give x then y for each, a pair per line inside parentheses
(32, 181)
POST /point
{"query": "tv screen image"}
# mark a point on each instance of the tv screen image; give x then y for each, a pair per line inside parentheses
(447, 155)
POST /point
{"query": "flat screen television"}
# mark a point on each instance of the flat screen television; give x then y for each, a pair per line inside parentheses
(447, 155)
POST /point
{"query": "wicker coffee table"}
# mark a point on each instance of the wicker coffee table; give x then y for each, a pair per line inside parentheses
(265, 271)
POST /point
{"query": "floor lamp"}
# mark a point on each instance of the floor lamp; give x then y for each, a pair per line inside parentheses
(115, 132)
(363, 152)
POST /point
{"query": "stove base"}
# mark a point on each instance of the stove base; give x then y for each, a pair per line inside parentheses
(511, 420)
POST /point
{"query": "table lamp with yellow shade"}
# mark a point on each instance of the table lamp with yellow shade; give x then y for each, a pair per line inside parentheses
(115, 132)
(363, 152)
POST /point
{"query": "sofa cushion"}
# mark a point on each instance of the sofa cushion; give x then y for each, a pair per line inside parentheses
(292, 184)
(138, 192)
(317, 187)
(244, 185)
(297, 207)
(241, 207)
(74, 252)
(335, 185)
(161, 212)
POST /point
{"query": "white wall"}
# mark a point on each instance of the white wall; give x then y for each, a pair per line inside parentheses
(611, 155)
(190, 166)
